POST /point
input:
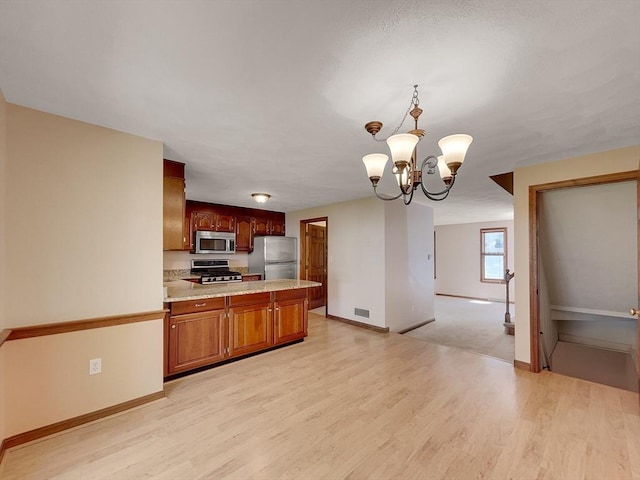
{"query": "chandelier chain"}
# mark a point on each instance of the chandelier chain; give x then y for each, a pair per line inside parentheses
(415, 101)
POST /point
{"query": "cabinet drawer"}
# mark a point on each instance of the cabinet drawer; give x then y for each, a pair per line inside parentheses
(192, 306)
(291, 294)
(251, 278)
(249, 299)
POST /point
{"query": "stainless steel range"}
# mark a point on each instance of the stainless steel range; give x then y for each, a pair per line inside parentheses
(214, 271)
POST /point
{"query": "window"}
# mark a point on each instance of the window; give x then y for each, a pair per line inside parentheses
(493, 254)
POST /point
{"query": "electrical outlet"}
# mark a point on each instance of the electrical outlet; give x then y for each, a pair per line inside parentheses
(95, 366)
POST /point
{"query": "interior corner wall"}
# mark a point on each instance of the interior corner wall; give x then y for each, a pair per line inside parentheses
(356, 267)
(612, 161)
(83, 239)
(409, 290)
(458, 267)
(3, 203)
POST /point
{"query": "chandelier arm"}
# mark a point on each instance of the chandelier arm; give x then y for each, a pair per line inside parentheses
(404, 199)
(385, 198)
(438, 196)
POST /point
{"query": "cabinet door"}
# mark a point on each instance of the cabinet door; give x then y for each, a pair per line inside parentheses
(173, 213)
(262, 226)
(188, 234)
(244, 234)
(203, 221)
(277, 227)
(250, 329)
(290, 320)
(196, 339)
(225, 223)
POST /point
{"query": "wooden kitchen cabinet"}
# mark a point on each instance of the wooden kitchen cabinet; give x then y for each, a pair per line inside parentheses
(213, 222)
(290, 316)
(225, 223)
(250, 323)
(252, 277)
(269, 226)
(173, 205)
(244, 234)
(277, 227)
(196, 339)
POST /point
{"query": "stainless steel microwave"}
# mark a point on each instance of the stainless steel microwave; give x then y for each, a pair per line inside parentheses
(214, 242)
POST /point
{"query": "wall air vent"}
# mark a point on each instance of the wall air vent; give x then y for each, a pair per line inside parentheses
(361, 312)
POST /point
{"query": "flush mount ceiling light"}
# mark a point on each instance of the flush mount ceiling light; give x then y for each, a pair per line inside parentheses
(404, 156)
(261, 197)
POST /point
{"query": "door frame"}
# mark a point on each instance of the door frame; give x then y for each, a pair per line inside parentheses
(304, 238)
(535, 193)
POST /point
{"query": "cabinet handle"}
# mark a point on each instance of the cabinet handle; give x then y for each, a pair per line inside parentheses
(173, 326)
(200, 304)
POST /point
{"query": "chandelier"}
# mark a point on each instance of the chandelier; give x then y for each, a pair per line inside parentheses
(404, 156)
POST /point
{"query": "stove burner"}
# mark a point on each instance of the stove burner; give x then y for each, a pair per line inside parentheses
(214, 271)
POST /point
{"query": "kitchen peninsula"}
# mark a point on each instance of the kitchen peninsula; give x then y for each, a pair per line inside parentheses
(209, 324)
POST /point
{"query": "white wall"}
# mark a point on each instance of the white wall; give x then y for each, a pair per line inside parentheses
(613, 161)
(409, 290)
(355, 276)
(378, 260)
(458, 264)
(83, 239)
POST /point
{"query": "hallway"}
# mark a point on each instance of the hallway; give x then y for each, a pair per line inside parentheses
(471, 325)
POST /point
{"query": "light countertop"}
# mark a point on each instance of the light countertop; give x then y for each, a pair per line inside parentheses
(178, 290)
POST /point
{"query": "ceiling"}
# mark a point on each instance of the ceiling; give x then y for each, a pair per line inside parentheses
(272, 95)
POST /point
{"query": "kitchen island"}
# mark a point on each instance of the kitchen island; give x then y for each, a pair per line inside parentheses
(209, 324)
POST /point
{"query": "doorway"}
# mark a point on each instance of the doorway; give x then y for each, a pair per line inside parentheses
(314, 258)
(576, 308)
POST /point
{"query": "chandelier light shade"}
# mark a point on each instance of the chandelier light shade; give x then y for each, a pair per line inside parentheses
(403, 148)
(454, 148)
(261, 197)
(374, 163)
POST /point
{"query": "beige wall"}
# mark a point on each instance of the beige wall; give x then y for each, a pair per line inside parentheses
(620, 160)
(3, 161)
(83, 239)
(378, 260)
(356, 256)
(458, 261)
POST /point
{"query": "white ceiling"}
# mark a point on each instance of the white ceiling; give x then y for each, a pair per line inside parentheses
(272, 95)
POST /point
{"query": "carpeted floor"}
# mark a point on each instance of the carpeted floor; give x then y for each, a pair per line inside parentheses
(470, 325)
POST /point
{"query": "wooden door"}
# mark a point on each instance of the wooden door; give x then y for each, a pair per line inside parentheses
(173, 213)
(637, 307)
(250, 326)
(196, 339)
(317, 264)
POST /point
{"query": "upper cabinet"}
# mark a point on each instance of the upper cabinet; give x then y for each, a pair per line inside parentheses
(273, 225)
(245, 227)
(173, 209)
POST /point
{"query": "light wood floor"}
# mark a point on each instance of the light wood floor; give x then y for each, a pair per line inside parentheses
(349, 403)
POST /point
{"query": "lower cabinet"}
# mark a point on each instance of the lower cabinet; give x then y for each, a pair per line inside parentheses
(290, 322)
(196, 339)
(250, 323)
(204, 332)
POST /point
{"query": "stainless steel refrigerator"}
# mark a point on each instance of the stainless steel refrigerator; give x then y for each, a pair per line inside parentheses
(274, 257)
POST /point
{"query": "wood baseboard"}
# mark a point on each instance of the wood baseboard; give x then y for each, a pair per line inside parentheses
(76, 421)
(417, 325)
(360, 324)
(3, 447)
(522, 365)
